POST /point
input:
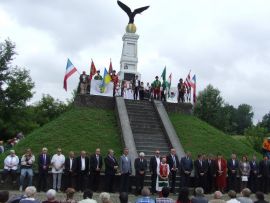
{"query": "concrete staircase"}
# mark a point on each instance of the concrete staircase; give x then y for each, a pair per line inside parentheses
(146, 128)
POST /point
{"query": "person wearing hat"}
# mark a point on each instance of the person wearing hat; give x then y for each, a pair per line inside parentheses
(181, 91)
(156, 86)
(98, 76)
(11, 163)
(115, 81)
(84, 81)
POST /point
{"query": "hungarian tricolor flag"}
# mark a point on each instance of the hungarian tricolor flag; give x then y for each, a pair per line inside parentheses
(70, 69)
(193, 85)
(93, 70)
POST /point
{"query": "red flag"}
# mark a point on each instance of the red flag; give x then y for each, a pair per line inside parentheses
(93, 70)
(194, 88)
(110, 68)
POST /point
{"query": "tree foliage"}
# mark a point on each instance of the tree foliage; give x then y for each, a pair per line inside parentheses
(255, 136)
(266, 122)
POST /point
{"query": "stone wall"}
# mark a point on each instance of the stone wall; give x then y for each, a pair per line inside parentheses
(94, 101)
(185, 108)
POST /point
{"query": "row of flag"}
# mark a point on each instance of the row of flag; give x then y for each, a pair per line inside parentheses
(189, 83)
(70, 69)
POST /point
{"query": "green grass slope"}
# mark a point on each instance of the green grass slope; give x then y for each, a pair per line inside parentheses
(78, 129)
(199, 137)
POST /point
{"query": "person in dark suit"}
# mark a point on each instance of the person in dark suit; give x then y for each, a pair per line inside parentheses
(233, 166)
(111, 166)
(173, 161)
(125, 170)
(201, 169)
(211, 173)
(70, 171)
(44, 161)
(95, 167)
(140, 165)
(82, 170)
(136, 83)
(154, 162)
(186, 168)
(254, 173)
(264, 170)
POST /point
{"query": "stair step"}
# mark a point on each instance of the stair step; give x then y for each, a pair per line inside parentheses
(146, 126)
(149, 135)
(143, 117)
(142, 113)
(150, 153)
(146, 107)
(152, 148)
(147, 130)
(144, 121)
(149, 143)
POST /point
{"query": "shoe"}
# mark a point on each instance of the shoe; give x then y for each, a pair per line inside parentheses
(2, 181)
(20, 189)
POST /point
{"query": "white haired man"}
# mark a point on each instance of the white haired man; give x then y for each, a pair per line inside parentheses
(30, 193)
(140, 165)
(51, 197)
(11, 163)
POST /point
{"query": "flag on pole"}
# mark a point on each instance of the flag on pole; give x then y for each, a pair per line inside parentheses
(70, 69)
(110, 67)
(187, 81)
(93, 70)
(163, 75)
(193, 84)
(106, 80)
(169, 82)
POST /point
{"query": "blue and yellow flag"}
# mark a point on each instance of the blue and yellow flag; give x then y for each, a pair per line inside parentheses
(106, 80)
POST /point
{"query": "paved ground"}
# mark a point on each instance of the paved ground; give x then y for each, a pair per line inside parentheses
(78, 196)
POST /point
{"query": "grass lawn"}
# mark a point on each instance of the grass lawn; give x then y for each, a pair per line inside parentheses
(199, 137)
(78, 129)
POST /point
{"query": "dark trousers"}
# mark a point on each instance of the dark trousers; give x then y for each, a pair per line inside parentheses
(69, 180)
(185, 180)
(42, 180)
(172, 180)
(201, 181)
(210, 184)
(94, 180)
(181, 97)
(253, 182)
(264, 184)
(12, 173)
(163, 96)
(82, 180)
(153, 182)
(232, 182)
(109, 181)
(135, 94)
(124, 182)
(139, 183)
(141, 93)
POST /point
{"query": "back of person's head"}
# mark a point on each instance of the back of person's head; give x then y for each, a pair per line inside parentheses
(246, 192)
(217, 195)
(183, 195)
(145, 191)
(70, 192)
(105, 197)
(165, 192)
(232, 194)
(51, 194)
(4, 195)
(259, 195)
(30, 191)
(123, 197)
(87, 194)
(199, 191)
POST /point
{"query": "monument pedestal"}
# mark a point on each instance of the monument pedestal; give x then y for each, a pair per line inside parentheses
(129, 58)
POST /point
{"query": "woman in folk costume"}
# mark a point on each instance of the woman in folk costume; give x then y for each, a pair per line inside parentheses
(221, 166)
(163, 171)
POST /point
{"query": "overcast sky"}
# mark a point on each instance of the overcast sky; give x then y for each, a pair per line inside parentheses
(225, 43)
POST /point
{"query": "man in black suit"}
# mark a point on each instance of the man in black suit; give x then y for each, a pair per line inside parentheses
(186, 168)
(82, 170)
(201, 169)
(154, 162)
(233, 166)
(44, 161)
(69, 171)
(211, 173)
(140, 165)
(264, 169)
(254, 173)
(95, 167)
(173, 161)
(111, 167)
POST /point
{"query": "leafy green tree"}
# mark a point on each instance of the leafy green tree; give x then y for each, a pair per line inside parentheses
(255, 136)
(244, 115)
(266, 122)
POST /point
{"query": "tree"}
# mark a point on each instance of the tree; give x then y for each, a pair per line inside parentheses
(255, 136)
(209, 106)
(244, 115)
(266, 122)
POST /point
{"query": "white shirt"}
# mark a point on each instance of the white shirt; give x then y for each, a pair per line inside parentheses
(158, 160)
(83, 164)
(11, 162)
(136, 83)
(219, 165)
(58, 162)
(233, 201)
(70, 163)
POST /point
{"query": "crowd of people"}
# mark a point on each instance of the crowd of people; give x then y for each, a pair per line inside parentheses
(83, 171)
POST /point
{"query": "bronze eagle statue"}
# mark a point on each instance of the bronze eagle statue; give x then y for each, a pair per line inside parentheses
(130, 14)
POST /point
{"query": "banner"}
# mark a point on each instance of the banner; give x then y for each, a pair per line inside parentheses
(98, 89)
(172, 95)
(127, 90)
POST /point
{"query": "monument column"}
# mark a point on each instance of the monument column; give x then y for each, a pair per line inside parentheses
(129, 58)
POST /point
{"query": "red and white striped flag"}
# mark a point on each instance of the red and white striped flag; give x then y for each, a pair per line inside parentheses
(70, 69)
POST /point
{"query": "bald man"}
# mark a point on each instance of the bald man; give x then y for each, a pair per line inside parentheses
(95, 167)
(82, 170)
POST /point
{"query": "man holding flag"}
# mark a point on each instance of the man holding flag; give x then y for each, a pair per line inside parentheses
(164, 85)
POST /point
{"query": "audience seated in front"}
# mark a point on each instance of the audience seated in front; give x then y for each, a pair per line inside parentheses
(4, 195)
(199, 196)
(260, 198)
(88, 197)
(30, 193)
(217, 198)
(145, 196)
(165, 196)
(232, 196)
(245, 196)
(183, 196)
(51, 195)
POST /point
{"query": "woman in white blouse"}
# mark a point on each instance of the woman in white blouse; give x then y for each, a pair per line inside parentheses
(11, 163)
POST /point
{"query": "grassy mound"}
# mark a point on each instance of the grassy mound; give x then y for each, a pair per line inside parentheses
(76, 130)
(199, 137)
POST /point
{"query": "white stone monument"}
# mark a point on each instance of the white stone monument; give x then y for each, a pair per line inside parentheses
(129, 58)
